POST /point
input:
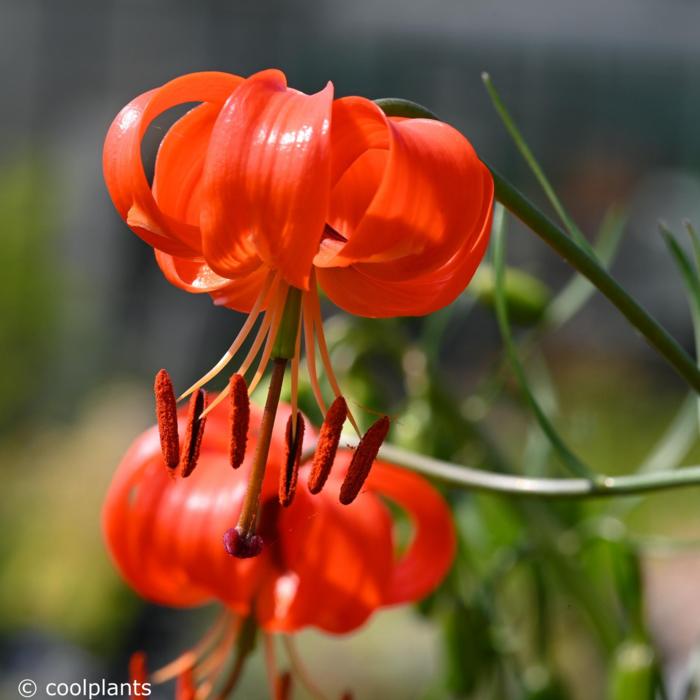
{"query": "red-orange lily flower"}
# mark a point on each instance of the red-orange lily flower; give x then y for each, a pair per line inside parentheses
(325, 565)
(261, 193)
(393, 213)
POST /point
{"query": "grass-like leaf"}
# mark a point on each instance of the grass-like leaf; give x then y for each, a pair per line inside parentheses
(570, 460)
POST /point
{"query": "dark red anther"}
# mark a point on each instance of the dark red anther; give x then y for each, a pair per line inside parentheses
(166, 414)
(288, 476)
(241, 545)
(347, 695)
(362, 460)
(185, 688)
(194, 434)
(327, 444)
(283, 686)
(138, 674)
(240, 418)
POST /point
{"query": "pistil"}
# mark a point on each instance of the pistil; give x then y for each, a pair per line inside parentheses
(243, 541)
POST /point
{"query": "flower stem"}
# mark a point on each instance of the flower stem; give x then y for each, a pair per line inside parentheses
(590, 268)
(580, 259)
(479, 480)
(249, 512)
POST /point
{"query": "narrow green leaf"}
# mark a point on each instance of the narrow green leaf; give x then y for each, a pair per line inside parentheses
(689, 274)
(574, 464)
(576, 293)
(537, 171)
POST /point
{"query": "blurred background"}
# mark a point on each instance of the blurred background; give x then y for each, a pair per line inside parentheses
(570, 601)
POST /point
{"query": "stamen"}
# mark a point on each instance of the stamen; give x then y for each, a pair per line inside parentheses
(310, 346)
(239, 340)
(327, 445)
(166, 414)
(194, 434)
(137, 668)
(254, 348)
(300, 670)
(283, 686)
(294, 398)
(242, 545)
(271, 336)
(270, 661)
(240, 419)
(363, 459)
(213, 663)
(191, 657)
(315, 307)
(288, 477)
(232, 681)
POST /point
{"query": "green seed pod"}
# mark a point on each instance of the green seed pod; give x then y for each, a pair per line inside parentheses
(526, 296)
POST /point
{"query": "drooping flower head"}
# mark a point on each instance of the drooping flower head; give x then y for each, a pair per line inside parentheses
(260, 195)
(324, 565)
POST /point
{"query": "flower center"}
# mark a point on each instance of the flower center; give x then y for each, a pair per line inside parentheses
(277, 341)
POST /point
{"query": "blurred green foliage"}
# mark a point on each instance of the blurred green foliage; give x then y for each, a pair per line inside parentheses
(30, 285)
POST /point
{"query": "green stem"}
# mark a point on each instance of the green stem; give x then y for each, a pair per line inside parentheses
(569, 459)
(526, 487)
(551, 234)
(574, 254)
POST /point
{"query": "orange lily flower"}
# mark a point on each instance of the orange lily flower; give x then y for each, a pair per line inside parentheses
(326, 565)
(261, 194)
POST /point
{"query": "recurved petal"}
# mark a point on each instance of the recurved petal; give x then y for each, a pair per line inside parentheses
(432, 550)
(177, 179)
(372, 290)
(337, 563)
(197, 277)
(123, 168)
(267, 179)
(426, 204)
(165, 534)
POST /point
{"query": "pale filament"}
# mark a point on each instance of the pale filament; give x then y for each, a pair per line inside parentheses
(240, 338)
(213, 663)
(254, 348)
(295, 375)
(267, 329)
(315, 308)
(300, 671)
(191, 657)
(271, 337)
(310, 347)
(270, 662)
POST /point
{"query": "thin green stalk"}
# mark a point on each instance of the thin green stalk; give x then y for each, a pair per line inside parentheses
(480, 480)
(462, 476)
(566, 455)
(691, 279)
(653, 332)
(537, 171)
